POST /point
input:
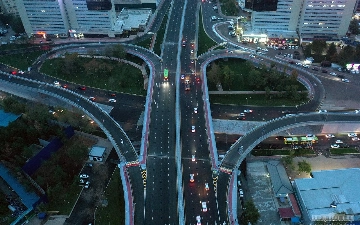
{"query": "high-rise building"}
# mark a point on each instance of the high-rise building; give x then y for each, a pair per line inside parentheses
(79, 17)
(308, 19)
(326, 19)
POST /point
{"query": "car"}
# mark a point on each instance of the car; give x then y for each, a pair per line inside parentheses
(64, 86)
(335, 146)
(314, 68)
(192, 61)
(195, 110)
(355, 138)
(241, 193)
(192, 51)
(92, 98)
(112, 94)
(339, 142)
(83, 88)
(248, 111)
(206, 186)
(198, 220)
(333, 74)
(310, 135)
(203, 206)
(191, 177)
(280, 138)
(182, 76)
(193, 158)
(252, 56)
(306, 66)
(345, 80)
(352, 135)
(51, 112)
(324, 71)
(56, 83)
(292, 62)
(298, 64)
(357, 111)
(21, 72)
(84, 176)
(329, 136)
(81, 181)
(112, 100)
(322, 111)
(193, 129)
(87, 184)
(213, 18)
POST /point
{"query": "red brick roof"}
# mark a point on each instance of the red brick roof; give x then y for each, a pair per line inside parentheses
(294, 205)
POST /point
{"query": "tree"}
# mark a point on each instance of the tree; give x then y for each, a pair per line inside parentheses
(354, 26)
(331, 52)
(228, 77)
(307, 50)
(251, 213)
(346, 55)
(214, 74)
(356, 56)
(116, 51)
(304, 167)
(318, 46)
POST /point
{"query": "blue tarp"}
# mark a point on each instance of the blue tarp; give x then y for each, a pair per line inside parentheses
(6, 118)
(28, 199)
(295, 220)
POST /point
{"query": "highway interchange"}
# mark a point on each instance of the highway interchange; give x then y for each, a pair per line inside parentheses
(170, 151)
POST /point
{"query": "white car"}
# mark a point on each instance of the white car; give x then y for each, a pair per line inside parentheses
(206, 186)
(193, 158)
(241, 193)
(92, 98)
(322, 111)
(198, 220)
(203, 206)
(248, 111)
(242, 114)
(191, 51)
(84, 176)
(87, 184)
(333, 74)
(182, 77)
(306, 66)
(56, 83)
(329, 136)
(112, 100)
(335, 146)
(252, 56)
(339, 142)
(191, 177)
(195, 110)
(352, 135)
(355, 138)
(298, 64)
(345, 80)
(193, 129)
(357, 111)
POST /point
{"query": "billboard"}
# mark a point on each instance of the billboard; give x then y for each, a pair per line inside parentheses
(353, 66)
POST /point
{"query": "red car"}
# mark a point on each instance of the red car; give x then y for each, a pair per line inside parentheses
(83, 88)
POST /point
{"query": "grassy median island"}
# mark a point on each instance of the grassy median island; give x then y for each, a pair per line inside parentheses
(113, 213)
(21, 61)
(343, 151)
(240, 75)
(99, 73)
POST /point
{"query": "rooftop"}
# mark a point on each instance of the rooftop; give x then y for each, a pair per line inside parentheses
(338, 188)
(132, 19)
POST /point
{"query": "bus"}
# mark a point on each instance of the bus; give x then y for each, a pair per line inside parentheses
(291, 140)
(166, 74)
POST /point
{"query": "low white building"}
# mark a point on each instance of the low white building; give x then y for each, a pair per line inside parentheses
(330, 195)
(97, 154)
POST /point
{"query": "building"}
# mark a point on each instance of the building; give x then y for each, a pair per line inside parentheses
(97, 154)
(293, 19)
(78, 18)
(328, 20)
(134, 4)
(9, 7)
(329, 195)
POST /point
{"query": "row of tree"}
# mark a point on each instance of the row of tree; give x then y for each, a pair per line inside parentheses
(323, 52)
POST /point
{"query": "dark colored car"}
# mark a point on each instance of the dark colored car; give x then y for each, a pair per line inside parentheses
(324, 71)
(83, 88)
(314, 68)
